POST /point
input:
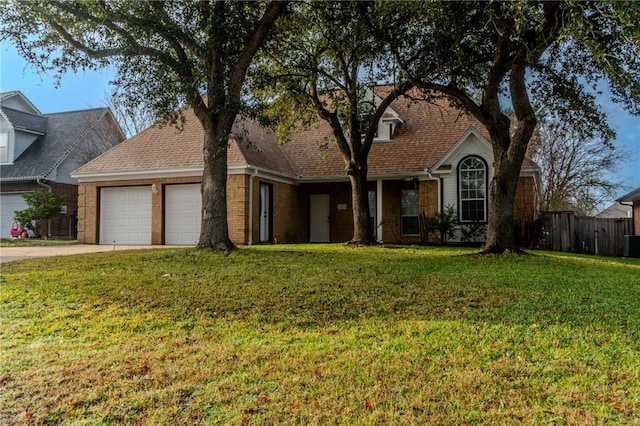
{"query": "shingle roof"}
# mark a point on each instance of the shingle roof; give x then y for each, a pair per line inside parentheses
(24, 121)
(426, 134)
(64, 131)
(616, 210)
(167, 148)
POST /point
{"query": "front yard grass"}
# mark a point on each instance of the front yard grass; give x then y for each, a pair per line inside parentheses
(320, 334)
(31, 242)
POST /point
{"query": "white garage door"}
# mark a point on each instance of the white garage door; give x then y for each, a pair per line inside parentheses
(125, 215)
(182, 209)
(8, 204)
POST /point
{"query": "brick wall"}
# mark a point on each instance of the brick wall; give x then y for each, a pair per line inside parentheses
(290, 209)
(89, 206)
(63, 226)
(428, 196)
(525, 207)
(636, 217)
(290, 212)
(237, 204)
(341, 219)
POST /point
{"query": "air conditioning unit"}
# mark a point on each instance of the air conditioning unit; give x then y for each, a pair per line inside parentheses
(632, 246)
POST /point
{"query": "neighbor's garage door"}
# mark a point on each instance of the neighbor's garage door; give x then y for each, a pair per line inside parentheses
(125, 215)
(8, 204)
(182, 209)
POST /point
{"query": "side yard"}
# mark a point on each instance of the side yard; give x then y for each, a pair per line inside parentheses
(320, 334)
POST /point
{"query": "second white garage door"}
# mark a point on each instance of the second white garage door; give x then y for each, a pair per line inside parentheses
(183, 204)
(125, 215)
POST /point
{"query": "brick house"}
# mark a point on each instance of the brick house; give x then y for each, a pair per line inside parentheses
(41, 150)
(633, 199)
(425, 156)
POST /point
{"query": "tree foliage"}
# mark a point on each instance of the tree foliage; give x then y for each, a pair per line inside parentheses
(168, 55)
(324, 67)
(42, 205)
(493, 58)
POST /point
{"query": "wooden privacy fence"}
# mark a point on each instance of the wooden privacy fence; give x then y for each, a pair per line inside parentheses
(562, 231)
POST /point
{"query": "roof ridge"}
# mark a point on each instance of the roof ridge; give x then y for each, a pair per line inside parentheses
(7, 94)
(75, 111)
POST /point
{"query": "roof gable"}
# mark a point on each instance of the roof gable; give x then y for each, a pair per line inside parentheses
(468, 137)
(64, 132)
(19, 102)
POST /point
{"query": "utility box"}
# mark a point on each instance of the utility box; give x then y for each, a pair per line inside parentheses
(631, 246)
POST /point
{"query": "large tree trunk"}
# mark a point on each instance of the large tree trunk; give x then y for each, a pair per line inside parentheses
(362, 232)
(214, 230)
(502, 194)
(508, 155)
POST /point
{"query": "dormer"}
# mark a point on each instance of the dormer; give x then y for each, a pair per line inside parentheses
(388, 122)
(21, 123)
(15, 100)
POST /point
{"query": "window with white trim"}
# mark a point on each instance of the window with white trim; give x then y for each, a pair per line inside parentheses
(6, 142)
(366, 109)
(4, 147)
(472, 190)
(409, 208)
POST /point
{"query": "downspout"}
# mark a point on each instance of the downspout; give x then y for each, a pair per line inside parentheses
(379, 212)
(633, 216)
(440, 195)
(44, 185)
(251, 176)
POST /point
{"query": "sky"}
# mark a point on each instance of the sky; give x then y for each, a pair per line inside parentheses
(89, 90)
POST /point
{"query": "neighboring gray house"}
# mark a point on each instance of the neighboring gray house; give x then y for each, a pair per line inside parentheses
(41, 150)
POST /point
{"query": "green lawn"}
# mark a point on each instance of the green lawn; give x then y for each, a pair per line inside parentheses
(320, 334)
(31, 242)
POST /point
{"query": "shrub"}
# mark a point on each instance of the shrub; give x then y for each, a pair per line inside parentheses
(41, 206)
(443, 225)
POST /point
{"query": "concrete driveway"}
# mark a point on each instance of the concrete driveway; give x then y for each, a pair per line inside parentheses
(10, 254)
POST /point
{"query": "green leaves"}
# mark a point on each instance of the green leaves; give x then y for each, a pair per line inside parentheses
(41, 205)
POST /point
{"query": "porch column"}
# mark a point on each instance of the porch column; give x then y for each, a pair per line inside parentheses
(379, 218)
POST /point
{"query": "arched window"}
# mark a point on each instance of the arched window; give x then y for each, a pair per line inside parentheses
(472, 189)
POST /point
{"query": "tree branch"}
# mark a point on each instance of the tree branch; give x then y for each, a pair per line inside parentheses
(274, 9)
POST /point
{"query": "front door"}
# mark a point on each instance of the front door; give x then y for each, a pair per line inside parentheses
(265, 213)
(319, 220)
